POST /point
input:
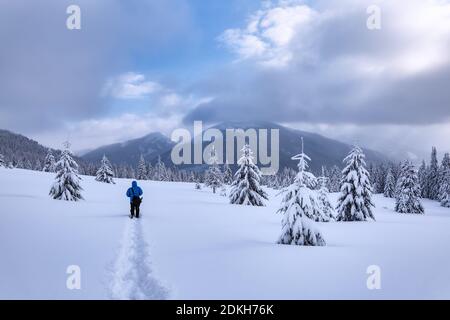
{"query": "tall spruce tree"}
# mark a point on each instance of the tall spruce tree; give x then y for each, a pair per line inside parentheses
(160, 171)
(246, 188)
(298, 205)
(334, 183)
(423, 180)
(227, 174)
(105, 173)
(67, 185)
(355, 202)
(213, 176)
(433, 176)
(2, 161)
(445, 165)
(389, 186)
(444, 183)
(408, 191)
(49, 162)
(327, 210)
(142, 169)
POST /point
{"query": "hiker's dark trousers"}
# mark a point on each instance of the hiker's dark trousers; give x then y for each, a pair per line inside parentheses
(134, 209)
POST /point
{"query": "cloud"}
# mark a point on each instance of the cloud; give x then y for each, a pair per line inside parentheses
(88, 134)
(317, 62)
(51, 75)
(145, 106)
(269, 33)
(130, 86)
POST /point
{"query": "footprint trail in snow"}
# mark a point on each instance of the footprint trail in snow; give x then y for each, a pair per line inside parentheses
(133, 277)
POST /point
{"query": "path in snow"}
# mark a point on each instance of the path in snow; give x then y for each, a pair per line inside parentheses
(132, 277)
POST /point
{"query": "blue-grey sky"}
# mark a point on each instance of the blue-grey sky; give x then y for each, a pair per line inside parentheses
(139, 66)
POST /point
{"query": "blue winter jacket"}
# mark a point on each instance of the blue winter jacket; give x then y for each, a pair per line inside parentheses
(134, 191)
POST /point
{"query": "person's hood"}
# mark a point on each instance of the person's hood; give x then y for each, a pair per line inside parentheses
(134, 184)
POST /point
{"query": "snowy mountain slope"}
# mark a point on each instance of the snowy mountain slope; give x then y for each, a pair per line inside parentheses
(197, 246)
(150, 146)
(16, 147)
(324, 151)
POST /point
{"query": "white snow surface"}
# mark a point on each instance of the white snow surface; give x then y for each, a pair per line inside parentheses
(193, 244)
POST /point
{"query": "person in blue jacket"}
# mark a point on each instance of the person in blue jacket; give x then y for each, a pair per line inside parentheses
(134, 193)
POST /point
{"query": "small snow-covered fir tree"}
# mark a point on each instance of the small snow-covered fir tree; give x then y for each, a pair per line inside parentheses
(334, 183)
(142, 169)
(223, 191)
(445, 192)
(49, 162)
(298, 205)
(213, 176)
(408, 191)
(198, 186)
(38, 165)
(433, 176)
(246, 188)
(105, 173)
(326, 209)
(160, 171)
(227, 174)
(2, 161)
(67, 185)
(444, 185)
(355, 202)
(28, 165)
(389, 186)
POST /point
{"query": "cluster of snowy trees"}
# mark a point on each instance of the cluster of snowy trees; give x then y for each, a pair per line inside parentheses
(430, 181)
(286, 177)
(434, 179)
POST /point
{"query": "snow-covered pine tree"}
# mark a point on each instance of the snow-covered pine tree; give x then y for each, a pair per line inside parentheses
(37, 165)
(49, 162)
(381, 172)
(198, 186)
(433, 176)
(246, 188)
(67, 185)
(150, 172)
(28, 165)
(142, 169)
(444, 185)
(105, 173)
(445, 166)
(423, 180)
(389, 186)
(2, 161)
(355, 201)
(213, 176)
(160, 171)
(408, 191)
(298, 204)
(335, 179)
(327, 210)
(227, 174)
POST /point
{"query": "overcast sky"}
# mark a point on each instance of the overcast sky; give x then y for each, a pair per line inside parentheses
(140, 66)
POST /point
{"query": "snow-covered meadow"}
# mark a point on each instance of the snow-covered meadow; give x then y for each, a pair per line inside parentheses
(192, 244)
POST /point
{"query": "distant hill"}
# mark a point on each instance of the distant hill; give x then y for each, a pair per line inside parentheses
(23, 151)
(129, 152)
(323, 151)
(17, 148)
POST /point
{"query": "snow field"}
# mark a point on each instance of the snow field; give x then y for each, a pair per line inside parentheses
(192, 244)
